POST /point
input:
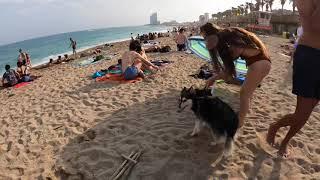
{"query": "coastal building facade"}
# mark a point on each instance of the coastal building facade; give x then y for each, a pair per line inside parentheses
(154, 19)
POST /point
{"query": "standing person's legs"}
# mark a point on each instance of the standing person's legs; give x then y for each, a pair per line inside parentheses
(306, 85)
(296, 121)
(256, 73)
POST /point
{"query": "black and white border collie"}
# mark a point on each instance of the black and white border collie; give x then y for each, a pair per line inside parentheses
(213, 113)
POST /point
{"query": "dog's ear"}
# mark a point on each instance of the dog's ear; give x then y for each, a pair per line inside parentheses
(191, 90)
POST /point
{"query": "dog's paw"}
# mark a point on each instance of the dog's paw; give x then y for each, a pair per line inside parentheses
(227, 153)
(194, 134)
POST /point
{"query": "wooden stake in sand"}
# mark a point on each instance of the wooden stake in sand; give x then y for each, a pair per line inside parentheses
(128, 163)
(129, 159)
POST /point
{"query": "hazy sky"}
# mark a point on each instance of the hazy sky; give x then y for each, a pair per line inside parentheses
(25, 19)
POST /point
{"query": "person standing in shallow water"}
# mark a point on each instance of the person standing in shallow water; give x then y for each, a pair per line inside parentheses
(306, 75)
(73, 44)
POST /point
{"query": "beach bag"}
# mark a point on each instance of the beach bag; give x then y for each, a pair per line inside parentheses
(26, 78)
(165, 49)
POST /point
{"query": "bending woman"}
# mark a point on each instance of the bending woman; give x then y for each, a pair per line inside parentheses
(230, 44)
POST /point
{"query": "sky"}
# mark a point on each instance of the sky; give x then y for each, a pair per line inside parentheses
(25, 19)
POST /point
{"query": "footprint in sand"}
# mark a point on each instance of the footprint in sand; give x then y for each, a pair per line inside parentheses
(91, 134)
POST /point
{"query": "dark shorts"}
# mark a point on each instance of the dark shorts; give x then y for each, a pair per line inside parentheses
(306, 72)
(131, 73)
(181, 47)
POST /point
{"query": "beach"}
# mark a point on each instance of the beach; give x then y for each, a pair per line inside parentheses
(65, 125)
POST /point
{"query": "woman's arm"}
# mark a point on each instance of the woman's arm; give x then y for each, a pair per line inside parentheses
(146, 62)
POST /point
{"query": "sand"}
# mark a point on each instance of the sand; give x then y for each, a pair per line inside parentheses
(67, 126)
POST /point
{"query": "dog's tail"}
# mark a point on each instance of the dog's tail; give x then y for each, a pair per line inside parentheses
(228, 147)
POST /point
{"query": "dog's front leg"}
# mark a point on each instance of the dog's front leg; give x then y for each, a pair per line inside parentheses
(197, 128)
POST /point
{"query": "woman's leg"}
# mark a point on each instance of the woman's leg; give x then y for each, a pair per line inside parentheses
(256, 73)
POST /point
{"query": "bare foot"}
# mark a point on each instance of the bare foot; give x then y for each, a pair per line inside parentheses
(284, 153)
(271, 134)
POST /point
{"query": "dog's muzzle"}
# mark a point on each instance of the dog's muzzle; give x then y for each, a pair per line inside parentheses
(181, 101)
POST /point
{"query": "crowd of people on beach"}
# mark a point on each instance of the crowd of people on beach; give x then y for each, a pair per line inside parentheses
(12, 77)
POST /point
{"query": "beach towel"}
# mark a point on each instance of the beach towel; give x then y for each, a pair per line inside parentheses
(92, 60)
(117, 78)
(20, 85)
(196, 45)
(161, 63)
(150, 43)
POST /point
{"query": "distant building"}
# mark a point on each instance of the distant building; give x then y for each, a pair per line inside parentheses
(207, 17)
(154, 19)
(202, 19)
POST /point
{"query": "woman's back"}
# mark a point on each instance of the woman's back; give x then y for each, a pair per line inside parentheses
(181, 38)
(128, 59)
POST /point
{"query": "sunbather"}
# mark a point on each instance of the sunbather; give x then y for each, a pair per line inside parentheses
(10, 77)
(132, 62)
(23, 72)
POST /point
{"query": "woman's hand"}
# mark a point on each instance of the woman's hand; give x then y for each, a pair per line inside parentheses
(156, 68)
(215, 77)
(210, 82)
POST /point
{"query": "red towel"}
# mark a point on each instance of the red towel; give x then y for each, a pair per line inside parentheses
(19, 85)
(116, 78)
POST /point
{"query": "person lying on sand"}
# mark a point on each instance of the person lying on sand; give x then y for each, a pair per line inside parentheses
(230, 44)
(10, 77)
(306, 76)
(59, 60)
(153, 48)
(97, 51)
(132, 62)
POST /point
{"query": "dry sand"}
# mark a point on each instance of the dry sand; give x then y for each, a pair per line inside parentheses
(67, 126)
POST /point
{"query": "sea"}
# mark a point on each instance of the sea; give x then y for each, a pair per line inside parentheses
(43, 48)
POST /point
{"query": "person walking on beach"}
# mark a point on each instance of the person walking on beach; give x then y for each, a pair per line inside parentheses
(73, 44)
(306, 76)
(181, 40)
(230, 44)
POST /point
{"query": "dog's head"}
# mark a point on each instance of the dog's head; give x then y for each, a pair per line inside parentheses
(192, 93)
(186, 94)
